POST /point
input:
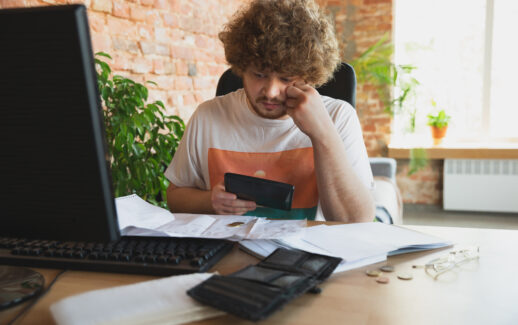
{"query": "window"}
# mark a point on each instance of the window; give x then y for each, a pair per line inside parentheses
(465, 54)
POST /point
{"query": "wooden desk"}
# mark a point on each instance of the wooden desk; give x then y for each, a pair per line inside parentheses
(484, 294)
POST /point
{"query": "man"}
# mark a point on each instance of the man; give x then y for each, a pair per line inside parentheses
(278, 127)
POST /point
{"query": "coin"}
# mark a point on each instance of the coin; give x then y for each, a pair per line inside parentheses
(387, 268)
(235, 224)
(405, 276)
(383, 279)
(373, 273)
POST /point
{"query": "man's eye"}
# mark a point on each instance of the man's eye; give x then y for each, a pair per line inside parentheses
(259, 75)
(286, 80)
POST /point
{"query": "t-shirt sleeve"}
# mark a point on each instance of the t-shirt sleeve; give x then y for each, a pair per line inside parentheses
(349, 128)
(185, 168)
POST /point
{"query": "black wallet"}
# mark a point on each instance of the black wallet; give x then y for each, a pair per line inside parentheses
(262, 191)
(257, 291)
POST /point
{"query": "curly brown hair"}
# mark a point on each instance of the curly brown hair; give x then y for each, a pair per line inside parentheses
(292, 37)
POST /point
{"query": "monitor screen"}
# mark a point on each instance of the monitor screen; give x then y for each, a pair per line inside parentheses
(55, 181)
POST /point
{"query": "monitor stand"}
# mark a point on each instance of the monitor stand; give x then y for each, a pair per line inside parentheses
(18, 284)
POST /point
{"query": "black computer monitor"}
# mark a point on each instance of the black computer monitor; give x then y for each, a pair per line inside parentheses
(55, 181)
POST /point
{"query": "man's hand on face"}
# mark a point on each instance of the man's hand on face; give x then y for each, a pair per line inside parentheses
(307, 110)
(228, 203)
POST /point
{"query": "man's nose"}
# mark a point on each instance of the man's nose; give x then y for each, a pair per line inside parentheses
(273, 88)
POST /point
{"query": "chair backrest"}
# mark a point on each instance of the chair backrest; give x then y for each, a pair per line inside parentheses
(341, 86)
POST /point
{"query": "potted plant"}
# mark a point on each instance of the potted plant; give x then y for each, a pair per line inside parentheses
(439, 124)
(141, 137)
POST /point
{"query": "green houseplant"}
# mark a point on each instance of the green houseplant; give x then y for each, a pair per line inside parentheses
(439, 124)
(141, 138)
(376, 67)
(395, 86)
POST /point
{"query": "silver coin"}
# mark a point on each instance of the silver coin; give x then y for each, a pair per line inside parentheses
(387, 268)
(405, 276)
(373, 273)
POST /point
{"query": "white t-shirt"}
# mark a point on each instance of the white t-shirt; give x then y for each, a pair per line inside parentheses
(224, 135)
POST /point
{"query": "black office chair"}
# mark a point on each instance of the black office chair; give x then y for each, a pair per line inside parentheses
(343, 86)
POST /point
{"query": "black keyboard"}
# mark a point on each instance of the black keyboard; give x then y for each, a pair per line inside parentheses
(139, 255)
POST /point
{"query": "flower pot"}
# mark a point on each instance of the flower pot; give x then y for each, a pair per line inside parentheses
(438, 133)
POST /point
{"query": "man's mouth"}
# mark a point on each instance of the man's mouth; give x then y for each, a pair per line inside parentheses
(271, 105)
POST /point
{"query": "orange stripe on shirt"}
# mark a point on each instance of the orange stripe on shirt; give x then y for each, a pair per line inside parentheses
(294, 167)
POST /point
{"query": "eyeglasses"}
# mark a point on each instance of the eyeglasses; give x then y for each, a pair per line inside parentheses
(454, 259)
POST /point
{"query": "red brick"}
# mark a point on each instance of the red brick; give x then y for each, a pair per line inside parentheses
(189, 99)
(121, 9)
(369, 128)
(203, 83)
(182, 68)
(163, 35)
(181, 52)
(125, 45)
(156, 94)
(97, 21)
(145, 32)
(154, 48)
(142, 65)
(102, 5)
(160, 4)
(215, 70)
(176, 35)
(202, 69)
(138, 13)
(165, 82)
(121, 62)
(202, 41)
(171, 20)
(117, 26)
(163, 67)
(147, 2)
(101, 42)
(181, 7)
(153, 18)
(12, 4)
(183, 83)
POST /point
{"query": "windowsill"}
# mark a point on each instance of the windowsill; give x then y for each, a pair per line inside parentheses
(458, 150)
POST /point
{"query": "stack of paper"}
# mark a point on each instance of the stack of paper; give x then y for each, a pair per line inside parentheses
(357, 244)
(162, 301)
(140, 218)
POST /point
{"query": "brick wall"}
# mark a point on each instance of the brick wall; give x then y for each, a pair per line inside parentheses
(171, 42)
(175, 44)
(359, 24)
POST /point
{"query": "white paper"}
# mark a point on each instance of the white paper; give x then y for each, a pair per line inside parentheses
(390, 237)
(187, 225)
(136, 212)
(345, 242)
(162, 301)
(271, 229)
(357, 244)
(140, 218)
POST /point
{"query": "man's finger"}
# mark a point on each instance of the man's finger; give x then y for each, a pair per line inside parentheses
(225, 196)
(294, 92)
(291, 102)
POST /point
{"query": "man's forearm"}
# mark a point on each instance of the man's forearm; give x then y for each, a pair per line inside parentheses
(189, 200)
(342, 195)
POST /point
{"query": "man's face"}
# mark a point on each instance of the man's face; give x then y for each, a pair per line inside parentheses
(266, 92)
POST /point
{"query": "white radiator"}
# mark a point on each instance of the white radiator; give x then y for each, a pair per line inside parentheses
(481, 185)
